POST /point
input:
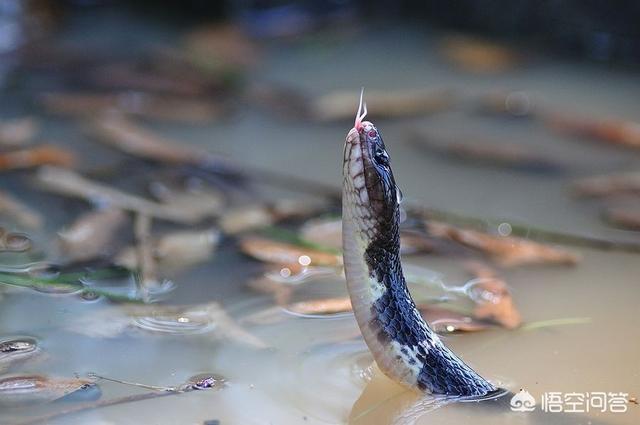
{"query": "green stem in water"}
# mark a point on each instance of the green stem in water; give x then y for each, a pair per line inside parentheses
(64, 286)
(541, 324)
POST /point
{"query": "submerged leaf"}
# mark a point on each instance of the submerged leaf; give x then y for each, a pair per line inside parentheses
(613, 131)
(506, 250)
(35, 157)
(32, 389)
(492, 297)
(322, 306)
(626, 218)
(446, 321)
(92, 234)
(608, 185)
(242, 219)
(176, 249)
(271, 251)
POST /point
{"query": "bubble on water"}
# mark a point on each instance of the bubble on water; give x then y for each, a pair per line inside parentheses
(177, 324)
(14, 242)
(504, 229)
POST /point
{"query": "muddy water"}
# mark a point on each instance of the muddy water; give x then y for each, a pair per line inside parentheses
(314, 370)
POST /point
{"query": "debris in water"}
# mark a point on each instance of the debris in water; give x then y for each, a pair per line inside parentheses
(492, 297)
(32, 389)
(613, 131)
(19, 212)
(92, 235)
(509, 251)
(446, 321)
(17, 349)
(17, 132)
(271, 251)
(608, 185)
(123, 134)
(241, 219)
(339, 105)
(478, 56)
(200, 202)
(322, 306)
(626, 218)
(68, 183)
(35, 157)
(176, 249)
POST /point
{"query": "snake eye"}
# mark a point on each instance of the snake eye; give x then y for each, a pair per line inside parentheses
(373, 133)
(381, 156)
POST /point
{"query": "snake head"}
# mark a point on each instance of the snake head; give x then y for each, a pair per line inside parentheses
(368, 169)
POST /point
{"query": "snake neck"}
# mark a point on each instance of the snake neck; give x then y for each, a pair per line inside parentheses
(405, 348)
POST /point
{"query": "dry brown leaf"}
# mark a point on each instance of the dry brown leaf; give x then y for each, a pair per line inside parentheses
(444, 321)
(204, 202)
(608, 185)
(492, 297)
(508, 251)
(613, 131)
(92, 234)
(627, 218)
(270, 251)
(175, 249)
(125, 135)
(35, 157)
(68, 183)
(31, 389)
(242, 219)
(322, 306)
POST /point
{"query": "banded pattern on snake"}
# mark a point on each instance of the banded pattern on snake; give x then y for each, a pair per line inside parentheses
(405, 348)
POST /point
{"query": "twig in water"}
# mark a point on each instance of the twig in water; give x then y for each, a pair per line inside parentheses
(147, 280)
(71, 184)
(525, 231)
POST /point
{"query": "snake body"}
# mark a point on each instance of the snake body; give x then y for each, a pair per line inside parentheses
(405, 348)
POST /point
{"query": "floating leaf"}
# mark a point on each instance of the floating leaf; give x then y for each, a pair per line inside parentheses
(271, 251)
(492, 297)
(506, 250)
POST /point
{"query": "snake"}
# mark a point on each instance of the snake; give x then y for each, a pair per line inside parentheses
(403, 345)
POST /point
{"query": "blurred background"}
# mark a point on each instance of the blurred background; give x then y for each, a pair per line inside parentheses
(170, 180)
